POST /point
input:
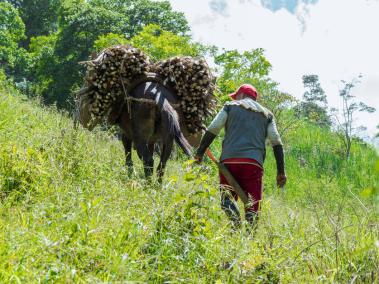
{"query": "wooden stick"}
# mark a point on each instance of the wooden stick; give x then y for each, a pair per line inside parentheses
(229, 177)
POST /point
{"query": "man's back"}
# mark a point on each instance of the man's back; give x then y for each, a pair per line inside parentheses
(245, 133)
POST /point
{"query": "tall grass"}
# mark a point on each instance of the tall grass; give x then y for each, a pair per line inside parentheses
(70, 213)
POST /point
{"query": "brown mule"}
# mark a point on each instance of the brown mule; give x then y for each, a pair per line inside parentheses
(147, 117)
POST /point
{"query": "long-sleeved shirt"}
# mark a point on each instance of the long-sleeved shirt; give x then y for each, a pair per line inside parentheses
(247, 125)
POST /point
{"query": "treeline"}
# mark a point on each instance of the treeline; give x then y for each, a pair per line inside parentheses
(42, 41)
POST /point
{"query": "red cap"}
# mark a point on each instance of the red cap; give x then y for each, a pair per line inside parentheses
(246, 89)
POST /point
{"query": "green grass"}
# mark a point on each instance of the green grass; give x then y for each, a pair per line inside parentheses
(69, 213)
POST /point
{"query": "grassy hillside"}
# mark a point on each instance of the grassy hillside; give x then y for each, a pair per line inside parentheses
(69, 213)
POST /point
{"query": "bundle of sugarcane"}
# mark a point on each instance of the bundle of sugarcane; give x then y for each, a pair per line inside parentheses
(116, 69)
(109, 75)
(193, 81)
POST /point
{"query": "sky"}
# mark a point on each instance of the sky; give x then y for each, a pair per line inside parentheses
(335, 39)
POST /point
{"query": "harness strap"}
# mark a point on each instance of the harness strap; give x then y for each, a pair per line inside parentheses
(128, 87)
(148, 101)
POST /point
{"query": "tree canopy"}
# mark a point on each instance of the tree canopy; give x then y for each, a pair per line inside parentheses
(314, 104)
(144, 12)
(237, 68)
(39, 16)
(160, 44)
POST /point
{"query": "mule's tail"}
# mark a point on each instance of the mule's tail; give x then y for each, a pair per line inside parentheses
(171, 121)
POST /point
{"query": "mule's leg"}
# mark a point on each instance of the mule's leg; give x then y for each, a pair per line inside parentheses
(165, 154)
(128, 153)
(150, 165)
(146, 155)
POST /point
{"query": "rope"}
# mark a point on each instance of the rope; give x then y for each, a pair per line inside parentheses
(148, 101)
(124, 89)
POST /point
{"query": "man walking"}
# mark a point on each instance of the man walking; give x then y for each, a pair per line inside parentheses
(247, 125)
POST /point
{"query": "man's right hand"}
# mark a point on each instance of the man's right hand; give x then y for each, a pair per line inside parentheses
(198, 159)
(281, 180)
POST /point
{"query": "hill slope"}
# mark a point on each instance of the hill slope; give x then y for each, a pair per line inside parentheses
(69, 213)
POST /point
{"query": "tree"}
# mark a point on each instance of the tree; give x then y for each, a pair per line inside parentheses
(12, 31)
(349, 108)
(160, 44)
(39, 16)
(314, 94)
(236, 68)
(43, 62)
(252, 67)
(144, 12)
(314, 104)
(104, 41)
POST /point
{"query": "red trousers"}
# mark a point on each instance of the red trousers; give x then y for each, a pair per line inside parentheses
(249, 177)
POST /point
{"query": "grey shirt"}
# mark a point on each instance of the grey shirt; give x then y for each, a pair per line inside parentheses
(247, 125)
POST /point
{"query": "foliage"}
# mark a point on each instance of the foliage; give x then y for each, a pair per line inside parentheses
(144, 12)
(314, 113)
(12, 31)
(39, 16)
(4, 82)
(80, 25)
(43, 62)
(315, 93)
(236, 68)
(314, 104)
(71, 214)
(108, 40)
(160, 44)
(155, 42)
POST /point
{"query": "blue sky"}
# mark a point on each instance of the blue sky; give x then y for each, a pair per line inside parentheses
(289, 5)
(221, 6)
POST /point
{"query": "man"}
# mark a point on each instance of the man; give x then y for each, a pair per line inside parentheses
(247, 125)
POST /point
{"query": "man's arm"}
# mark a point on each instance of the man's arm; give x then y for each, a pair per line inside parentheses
(212, 131)
(281, 177)
(277, 146)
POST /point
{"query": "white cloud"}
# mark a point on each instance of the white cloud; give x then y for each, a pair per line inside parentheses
(339, 42)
